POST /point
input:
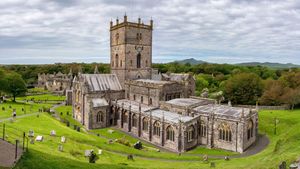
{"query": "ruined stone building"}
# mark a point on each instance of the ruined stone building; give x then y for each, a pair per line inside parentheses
(158, 108)
(57, 82)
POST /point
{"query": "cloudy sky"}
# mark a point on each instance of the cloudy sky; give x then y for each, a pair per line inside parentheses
(220, 31)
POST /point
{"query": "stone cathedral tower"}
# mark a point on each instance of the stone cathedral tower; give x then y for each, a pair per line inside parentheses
(131, 50)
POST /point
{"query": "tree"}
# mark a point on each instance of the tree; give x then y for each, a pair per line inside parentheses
(274, 90)
(291, 97)
(15, 85)
(244, 88)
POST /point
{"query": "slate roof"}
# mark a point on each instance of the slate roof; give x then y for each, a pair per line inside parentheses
(177, 76)
(99, 102)
(154, 81)
(223, 110)
(189, 102)
(156, 112)
(102, 82)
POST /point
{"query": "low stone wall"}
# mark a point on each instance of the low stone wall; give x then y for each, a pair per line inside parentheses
(283, 107)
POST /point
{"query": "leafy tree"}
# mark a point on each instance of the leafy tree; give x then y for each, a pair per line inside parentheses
(244, 88)
(15, 85)
(291, 97)
(274, 91)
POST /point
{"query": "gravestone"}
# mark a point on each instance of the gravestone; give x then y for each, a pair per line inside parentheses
(100, 152)
(87, 153)
(138, 145)
(282, 165)
(130, 157)
(3, 108)
(31, 141)
(60, 148)
(67, 112)
(75, 127)
(110, 131)
(110, 141)
(212, 165)
(294, 166)
(63, 139)
(205, 157)
(31, 133)
(52, 133)
(67, 123)
(226, 158)
(78, 129)
(39, 138)
(92, 157)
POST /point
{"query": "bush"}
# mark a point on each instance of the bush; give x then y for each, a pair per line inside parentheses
(123, 141)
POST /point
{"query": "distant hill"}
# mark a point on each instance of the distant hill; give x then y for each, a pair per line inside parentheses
(271, 65)
(191, 61)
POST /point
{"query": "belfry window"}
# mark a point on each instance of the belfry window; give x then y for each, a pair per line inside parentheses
(117, 60)
(138, 60)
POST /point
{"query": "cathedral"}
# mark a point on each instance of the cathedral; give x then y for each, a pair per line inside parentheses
(157, 108)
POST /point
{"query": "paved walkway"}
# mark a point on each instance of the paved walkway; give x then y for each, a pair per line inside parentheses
(7, 154)
(18, 117)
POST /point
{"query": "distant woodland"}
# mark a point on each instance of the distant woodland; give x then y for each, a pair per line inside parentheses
(237, 83)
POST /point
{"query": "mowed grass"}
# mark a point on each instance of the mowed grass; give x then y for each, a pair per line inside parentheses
(43, 97)
(6, 109)
(66, 114)
(284, 146)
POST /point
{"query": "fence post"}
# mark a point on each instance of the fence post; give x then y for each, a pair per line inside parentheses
(3, 137)
(23, 141)
(16, 153)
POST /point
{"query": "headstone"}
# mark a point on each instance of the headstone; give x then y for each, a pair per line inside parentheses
(78, 129)
(22, 109)
(87, 153)
(130, 157)
(67, 113)
(92, 157)
(3, 108)
(282, 165)
(138, 145)
(31, 141)
(110, 131)
(205, 157)
(63, 139)
(294, 166)
(75, 127)
(31, 133)
(212, 165)
(110, 141)
(60, 148)
(39, 138)
(52, 133)
(61, 113)
(100, 152)
(14, 114)
(67, 123)
(226, 158)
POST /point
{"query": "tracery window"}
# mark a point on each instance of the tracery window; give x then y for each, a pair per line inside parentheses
(145, 124)
(134, 121)
(203, 130)
(170, 133)
(225, 132)
(156, 128)
(191, 133)
(100, 117)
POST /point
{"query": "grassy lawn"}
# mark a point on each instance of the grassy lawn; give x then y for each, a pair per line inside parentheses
(43, 97)
(65, 113)
(285, 145)
(6, 109)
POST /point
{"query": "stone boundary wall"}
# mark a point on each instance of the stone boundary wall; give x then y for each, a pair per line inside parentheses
(283, 107)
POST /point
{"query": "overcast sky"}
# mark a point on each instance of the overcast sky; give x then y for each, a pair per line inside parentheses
(220, 31)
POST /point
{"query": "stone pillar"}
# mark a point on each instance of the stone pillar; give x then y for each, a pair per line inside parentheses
(140, 122)
(210, 134)
(129, 119)
(150, 127)
(162, 133)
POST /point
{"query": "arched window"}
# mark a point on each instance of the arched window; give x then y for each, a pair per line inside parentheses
(145, 124)
(170, 133)
(150, 101)
(190, 133)
(225, 132)
(120, 63)
(203, 130)
(138, 60)
(134, 121)
(142, 99)
(100, 117)
(250, 130)
(125, 117)
(117, 60)
(156, 128)
(134, 97)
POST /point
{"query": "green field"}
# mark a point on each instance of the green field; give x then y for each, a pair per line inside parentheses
(285, 145)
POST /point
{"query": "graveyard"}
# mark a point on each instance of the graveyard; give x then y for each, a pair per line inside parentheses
(113, 147)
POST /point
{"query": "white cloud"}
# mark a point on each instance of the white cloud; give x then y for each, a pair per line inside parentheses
(231, 30)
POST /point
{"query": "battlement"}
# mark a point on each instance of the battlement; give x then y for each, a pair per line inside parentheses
(125, 23)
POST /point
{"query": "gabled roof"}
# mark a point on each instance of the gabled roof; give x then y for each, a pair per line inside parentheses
(102, 82)
(177, 76)
(99, 102)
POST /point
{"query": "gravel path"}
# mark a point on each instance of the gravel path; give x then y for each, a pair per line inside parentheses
(7, 154)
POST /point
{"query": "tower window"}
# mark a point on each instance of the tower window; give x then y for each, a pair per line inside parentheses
(130, 62)
(138, 60)
(120, 63)
(117, 60)
(117, 38)
(142, 99)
